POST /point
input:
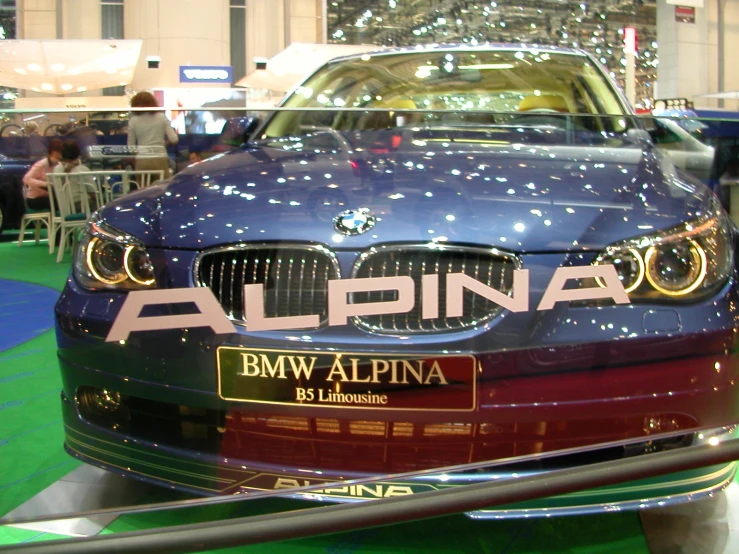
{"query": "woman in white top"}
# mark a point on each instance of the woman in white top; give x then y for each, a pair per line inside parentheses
(150, 132)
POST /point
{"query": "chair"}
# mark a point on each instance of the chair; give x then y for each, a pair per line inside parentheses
(145, 178)
(104, 186)
(70, 205)
(109, 184)
(114, 184)
(37, 217)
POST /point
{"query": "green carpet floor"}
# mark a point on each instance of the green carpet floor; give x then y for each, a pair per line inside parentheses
(32, 457)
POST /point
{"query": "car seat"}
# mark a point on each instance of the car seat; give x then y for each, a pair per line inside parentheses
(551, 102)
(394, 117)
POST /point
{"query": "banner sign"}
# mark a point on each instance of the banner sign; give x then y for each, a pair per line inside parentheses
(348, 379)
(685, 14)
(206, 74)
(630, 40)
(694, 3)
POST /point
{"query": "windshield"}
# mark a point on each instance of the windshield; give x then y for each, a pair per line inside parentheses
(452, 85)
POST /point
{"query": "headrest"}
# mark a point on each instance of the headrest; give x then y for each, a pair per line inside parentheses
(396, 104)
(543, 102)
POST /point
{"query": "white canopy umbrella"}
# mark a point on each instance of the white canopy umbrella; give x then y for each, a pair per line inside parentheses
(67, 66)
(731, 95)
(288, 68)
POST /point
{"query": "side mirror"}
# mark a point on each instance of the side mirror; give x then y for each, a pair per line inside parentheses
(237, 130)
(661, 134)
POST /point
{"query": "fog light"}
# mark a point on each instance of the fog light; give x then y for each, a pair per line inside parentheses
(95, 401)
(106, 401)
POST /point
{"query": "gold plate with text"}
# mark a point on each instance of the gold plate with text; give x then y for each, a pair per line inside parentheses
(348, 379)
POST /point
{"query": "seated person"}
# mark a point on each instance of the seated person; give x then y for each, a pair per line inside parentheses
(35, 185)
(30, 128)
(71, 163)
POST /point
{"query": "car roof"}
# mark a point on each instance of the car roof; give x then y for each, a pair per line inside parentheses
(462, 47)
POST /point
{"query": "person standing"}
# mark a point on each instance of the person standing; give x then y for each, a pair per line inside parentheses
(150, 132)
(35, 184)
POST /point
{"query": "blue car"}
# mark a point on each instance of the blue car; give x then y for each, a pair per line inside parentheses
(426, 258)
(12, 206)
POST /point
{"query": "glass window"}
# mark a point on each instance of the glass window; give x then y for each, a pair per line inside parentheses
(111, 13)
(112, 19)
(456, 83)
(7, 19)
(238, 38)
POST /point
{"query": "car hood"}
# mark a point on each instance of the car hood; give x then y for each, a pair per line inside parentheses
(521, 198)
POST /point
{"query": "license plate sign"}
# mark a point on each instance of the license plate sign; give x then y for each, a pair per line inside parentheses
(348, 379)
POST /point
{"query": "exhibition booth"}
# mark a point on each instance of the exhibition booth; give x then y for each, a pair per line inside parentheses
(428, 298)
(350, 397)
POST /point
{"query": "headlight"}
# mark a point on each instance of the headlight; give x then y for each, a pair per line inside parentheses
(685, 263)
(109, 259)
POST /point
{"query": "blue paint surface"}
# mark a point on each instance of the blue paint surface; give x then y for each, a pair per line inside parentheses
(26, 311)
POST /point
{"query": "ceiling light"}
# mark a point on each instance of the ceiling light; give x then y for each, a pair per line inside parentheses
(47, 86)
(34, 67)
(19, 70)
(81, 89)
(57, 67)
(66, 86)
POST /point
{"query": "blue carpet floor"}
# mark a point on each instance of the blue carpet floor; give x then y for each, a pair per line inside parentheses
(26, 311)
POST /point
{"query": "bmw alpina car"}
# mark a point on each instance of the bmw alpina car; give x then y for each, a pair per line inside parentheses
(425, 258)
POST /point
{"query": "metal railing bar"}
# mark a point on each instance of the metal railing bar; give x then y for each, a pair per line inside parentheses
(307, 489)
(346, 517)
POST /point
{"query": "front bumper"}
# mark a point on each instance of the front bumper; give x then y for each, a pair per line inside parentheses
(210, 447)
(205, 474)
(579, 377)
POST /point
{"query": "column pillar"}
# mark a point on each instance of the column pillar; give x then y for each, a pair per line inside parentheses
(81, 19)
(36, 19)
(688, 52)
(265, 30)
(272, 25)
(731, 46)
(306, 21)
(180, 32)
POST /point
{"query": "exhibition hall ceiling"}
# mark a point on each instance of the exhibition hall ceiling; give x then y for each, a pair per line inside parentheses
(595, 26)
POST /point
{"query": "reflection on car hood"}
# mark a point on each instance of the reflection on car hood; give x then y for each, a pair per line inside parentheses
(517, 197)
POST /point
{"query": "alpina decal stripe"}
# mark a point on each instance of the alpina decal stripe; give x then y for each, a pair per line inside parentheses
(340, 309)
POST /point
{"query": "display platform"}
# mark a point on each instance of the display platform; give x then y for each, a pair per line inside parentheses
(37, 476)
(710, 526)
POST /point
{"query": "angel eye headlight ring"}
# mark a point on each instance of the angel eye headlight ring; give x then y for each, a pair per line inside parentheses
(138, 270)
(640, 270)
(115, 264)
(101, 259)
(697, 267)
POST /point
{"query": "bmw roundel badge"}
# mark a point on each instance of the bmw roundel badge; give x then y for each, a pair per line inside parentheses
(354, 222)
